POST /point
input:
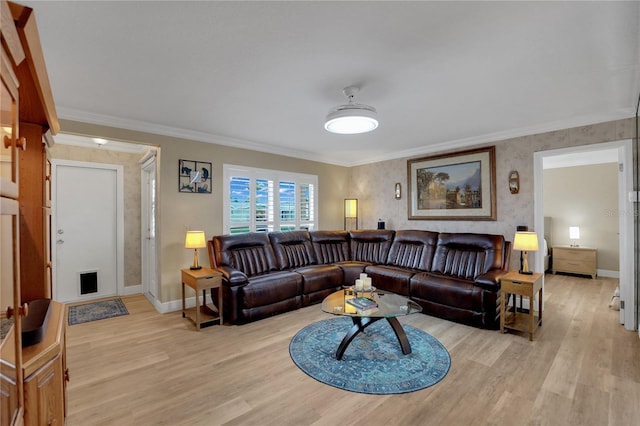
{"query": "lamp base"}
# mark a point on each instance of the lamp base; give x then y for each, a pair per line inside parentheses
(525, 272)
(193, 268)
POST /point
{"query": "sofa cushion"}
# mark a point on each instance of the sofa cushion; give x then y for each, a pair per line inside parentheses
(351, 270)
(271, 288)
(330, 246)
(370, 245)
(391, 278)
(413, 249)
(249, 253)
(446, 291)
(292, 249)
(320, 277)
(319, 281)
(466, 256)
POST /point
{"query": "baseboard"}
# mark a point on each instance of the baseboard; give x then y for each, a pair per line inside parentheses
(608, 274)
(171, 306)
(132, 289)
(161, 307)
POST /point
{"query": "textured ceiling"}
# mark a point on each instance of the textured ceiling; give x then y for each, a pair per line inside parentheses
(263, 75)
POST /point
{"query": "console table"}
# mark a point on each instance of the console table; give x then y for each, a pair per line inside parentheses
(574, 260)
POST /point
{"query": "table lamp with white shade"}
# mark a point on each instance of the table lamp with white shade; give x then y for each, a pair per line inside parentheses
(525, 242)
(195, 240)
(574, 235)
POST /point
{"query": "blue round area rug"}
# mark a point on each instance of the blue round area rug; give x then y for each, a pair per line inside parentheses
(373, 363)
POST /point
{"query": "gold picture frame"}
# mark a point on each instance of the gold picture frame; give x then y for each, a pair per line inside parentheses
(455, 186)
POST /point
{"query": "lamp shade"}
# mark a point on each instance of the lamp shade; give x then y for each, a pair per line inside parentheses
(525, 241)
(195, 240)
(351, 208)
(574, 232)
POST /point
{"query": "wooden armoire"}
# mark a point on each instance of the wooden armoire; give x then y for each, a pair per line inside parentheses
(32, 378)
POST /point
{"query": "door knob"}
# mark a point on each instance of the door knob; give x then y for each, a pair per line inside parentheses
(60, 231)
(60, 241)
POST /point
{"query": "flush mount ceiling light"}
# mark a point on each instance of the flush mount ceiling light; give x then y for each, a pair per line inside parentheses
(351, 118)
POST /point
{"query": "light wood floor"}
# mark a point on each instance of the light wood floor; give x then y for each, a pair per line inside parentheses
(583, 368)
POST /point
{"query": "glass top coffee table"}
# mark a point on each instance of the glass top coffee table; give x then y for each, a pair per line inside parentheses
(390, 306)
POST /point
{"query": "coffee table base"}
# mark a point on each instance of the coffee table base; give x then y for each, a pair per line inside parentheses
(360, 323)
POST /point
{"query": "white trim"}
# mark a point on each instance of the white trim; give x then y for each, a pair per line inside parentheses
(149, 162)
(88, 142)
(172, 305)
(277, 176)
(605, 273)
(119, 169)
(132, 289)
(158, 129)
(625, 186)
(123, 123)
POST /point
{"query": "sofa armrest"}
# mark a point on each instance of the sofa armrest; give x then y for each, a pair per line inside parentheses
(490, 280)
(232, 276)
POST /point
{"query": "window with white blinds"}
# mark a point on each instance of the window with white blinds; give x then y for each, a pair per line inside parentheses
(268, 200)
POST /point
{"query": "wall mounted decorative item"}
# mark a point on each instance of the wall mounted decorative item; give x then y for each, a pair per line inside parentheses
(398, 191)
(194, 176)
(514, 182)
(457, 186)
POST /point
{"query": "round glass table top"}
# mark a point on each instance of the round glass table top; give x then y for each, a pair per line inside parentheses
(389, 304)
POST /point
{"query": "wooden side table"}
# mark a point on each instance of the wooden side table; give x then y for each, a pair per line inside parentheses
(202, 280)
(523, 285)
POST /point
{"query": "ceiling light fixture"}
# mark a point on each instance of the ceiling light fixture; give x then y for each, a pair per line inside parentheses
(351, 118)
(100, 141)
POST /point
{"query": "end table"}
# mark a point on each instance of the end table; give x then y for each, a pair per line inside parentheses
(523, 285)
(202, 280)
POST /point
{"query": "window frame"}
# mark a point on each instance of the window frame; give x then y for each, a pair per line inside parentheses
(275, 223)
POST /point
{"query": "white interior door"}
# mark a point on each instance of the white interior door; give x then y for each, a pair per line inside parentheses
(87, 217)
(148, 231)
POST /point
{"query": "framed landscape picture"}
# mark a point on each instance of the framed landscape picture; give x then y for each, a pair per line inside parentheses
(194, 176)
(457, 186)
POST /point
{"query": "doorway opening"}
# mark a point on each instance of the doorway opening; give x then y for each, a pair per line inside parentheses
(621, 153)
(133, 158)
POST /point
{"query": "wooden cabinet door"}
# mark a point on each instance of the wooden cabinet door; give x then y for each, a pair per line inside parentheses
(8, 126)
(43, 395)
(11, 344)
(11, 386)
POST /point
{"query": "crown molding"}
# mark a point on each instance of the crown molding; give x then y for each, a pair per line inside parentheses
(500, 136)
(159, 129)
(141, 126)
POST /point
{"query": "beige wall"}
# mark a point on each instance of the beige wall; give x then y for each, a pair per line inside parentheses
(373, 184)
(585, 196)
(182, 211)
(131, 184)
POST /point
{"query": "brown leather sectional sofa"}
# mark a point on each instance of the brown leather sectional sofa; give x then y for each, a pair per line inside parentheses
(451, 275)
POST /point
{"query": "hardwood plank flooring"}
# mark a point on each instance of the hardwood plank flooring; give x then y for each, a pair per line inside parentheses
(145, 368)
